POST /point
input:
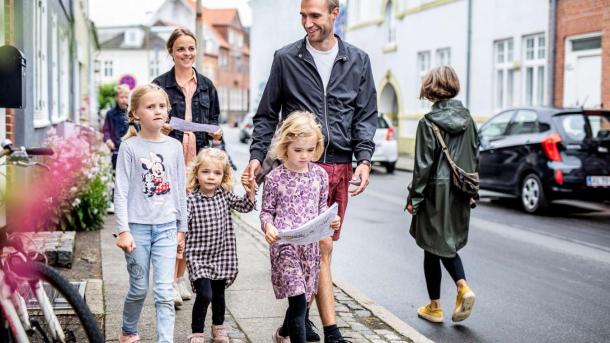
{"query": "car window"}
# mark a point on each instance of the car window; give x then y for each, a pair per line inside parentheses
(496, 126)
(573, 127)
(525, 121)
(382, 123)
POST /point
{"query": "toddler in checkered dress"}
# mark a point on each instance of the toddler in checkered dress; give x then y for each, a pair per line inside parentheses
(210, 242)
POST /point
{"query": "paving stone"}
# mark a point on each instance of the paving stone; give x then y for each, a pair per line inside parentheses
(363, 313)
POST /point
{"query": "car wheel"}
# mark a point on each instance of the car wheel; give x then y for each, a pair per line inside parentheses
(389, 167)
(532, 196)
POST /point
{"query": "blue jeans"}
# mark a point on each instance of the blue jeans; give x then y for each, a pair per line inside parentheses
(156, 243)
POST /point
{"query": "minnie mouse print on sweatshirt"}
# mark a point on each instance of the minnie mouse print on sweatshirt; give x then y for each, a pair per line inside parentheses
(150, 183)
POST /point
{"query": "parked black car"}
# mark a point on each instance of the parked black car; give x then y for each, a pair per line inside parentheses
(543, 154)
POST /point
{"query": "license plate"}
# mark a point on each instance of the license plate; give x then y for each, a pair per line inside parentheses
(598, 181)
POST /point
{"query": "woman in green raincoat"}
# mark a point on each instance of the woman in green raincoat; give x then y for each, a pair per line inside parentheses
(441, 212)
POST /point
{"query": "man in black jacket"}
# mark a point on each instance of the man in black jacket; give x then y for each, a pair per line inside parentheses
(332, 79)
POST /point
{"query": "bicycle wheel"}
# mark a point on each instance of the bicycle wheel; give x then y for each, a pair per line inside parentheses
(76, 319)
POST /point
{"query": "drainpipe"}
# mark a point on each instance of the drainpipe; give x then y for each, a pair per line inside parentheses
(468, 49)
(552, 53)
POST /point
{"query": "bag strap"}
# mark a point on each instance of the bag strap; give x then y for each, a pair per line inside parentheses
(441, 141)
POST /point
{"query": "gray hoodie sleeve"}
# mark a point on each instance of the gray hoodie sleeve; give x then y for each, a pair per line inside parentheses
(121, 187)
(182, 215)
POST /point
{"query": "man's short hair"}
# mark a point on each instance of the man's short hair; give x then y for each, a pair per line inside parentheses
(332, 4)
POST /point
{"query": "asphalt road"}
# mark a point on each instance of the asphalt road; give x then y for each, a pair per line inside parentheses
(537, 278)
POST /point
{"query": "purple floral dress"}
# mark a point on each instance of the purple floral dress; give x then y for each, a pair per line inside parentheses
(291, 199)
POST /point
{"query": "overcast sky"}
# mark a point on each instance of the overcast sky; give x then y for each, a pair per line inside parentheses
(126, 12)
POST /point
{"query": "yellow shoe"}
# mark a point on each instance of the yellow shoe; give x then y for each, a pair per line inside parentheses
(429, 314)
(463, 304)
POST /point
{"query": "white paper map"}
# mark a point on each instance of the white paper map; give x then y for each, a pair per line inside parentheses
(312, 231)
(183, 125)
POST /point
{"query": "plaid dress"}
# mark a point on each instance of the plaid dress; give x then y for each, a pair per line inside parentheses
(210, 241)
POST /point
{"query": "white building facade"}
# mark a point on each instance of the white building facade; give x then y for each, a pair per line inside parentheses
(505, 65)
(274, 25)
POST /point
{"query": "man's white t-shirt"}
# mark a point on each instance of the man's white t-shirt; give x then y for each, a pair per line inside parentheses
(324, 61)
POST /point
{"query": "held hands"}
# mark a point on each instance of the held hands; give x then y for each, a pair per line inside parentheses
(250, 186)
(253, 168)
(181, 244)
(336, 223)
(125, 241)
(360, 179)
(271, 234)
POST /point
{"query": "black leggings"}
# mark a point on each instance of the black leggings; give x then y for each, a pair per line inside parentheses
(208, 291)
(294, 322)
(432, 270)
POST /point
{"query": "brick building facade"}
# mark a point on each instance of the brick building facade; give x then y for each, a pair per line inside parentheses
(582, 65)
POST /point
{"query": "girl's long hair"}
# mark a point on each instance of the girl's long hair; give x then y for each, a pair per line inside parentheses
(205, 157)
(134, 102)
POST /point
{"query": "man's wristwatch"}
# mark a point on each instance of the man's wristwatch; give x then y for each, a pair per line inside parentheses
(366, 163)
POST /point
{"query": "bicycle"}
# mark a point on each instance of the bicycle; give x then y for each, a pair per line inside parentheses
(25, 276)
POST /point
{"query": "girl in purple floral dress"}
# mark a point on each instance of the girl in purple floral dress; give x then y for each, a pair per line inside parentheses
(295, 193)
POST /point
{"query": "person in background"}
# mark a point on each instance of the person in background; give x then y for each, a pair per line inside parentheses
(193, 98)
(441, 213)
(115, 127)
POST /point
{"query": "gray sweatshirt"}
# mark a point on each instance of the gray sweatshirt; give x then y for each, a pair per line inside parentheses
(150, 186)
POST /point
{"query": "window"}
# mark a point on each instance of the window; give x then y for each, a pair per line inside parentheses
(589, 43)
(108, 72)
(155, 63)
(504, 76)
(443, 57)
(41, 77)
(534, 63)
(64, 74)
(496, 126)
(390, 22)
(525, 121)
(423, 65)
(54, 70)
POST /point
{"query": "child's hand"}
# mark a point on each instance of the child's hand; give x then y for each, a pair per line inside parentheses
(336, 223)
(181, 243)
(125, 241)
(271, 234)
(249, 185)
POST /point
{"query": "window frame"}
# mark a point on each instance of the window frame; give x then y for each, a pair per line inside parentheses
(534, 92)
(504, 94)
(41, 68)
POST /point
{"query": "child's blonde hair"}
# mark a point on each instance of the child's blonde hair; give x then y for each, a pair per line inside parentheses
(440, 83)
(297, 125)
(207, 156)
(134, 102)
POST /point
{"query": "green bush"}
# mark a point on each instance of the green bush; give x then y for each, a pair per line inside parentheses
(105, 95)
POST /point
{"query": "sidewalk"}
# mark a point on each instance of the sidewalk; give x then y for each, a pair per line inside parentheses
(252, 310)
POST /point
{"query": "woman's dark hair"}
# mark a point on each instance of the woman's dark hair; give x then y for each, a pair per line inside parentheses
(177, 33)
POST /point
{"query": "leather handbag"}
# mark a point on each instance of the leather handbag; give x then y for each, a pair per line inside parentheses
(467, 183)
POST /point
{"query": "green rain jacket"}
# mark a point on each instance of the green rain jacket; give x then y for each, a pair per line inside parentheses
(441, 213)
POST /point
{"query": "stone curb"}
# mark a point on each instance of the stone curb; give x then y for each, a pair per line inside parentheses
(377, 310)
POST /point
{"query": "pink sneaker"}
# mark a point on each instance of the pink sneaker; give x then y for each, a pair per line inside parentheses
(219, 334)
(276, 338)
(128, 338)
(197, 337)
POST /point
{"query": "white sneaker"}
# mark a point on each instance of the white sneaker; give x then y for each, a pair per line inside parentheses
(183, 287)
(177, 298)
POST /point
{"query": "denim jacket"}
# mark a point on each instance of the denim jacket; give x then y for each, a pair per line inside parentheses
(205, 106)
